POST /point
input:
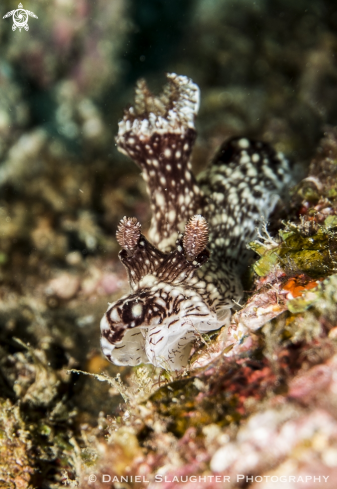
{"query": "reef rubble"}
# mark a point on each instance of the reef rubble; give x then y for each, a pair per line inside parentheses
(258, 399)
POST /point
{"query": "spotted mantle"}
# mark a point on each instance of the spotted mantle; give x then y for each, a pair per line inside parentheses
(186, 278)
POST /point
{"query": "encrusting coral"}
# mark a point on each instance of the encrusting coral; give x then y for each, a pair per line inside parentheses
(180, 289)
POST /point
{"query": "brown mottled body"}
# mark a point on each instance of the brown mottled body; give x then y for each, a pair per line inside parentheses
(165, 161)
(180, 289)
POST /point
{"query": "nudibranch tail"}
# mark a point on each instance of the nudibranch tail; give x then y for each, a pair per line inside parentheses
(158, 134)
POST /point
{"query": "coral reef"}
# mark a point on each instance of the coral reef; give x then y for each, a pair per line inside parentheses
(258, 399)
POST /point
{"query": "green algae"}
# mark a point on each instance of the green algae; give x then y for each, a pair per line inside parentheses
(314, 255)
(307, 191)
(267, 261)
(309, 318)
(323, 299)
(300, 304)
(330, 222)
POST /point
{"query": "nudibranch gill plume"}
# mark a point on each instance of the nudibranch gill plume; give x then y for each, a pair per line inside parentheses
(186, 277)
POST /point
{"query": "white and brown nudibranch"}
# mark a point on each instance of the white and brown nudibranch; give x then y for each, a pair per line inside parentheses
(185, 280)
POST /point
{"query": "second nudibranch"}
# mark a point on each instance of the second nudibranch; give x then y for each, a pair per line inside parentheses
(185, 280)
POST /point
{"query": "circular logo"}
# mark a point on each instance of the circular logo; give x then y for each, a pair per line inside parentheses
(20, 18)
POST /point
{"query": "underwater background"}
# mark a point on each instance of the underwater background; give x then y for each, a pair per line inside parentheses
(265, 403)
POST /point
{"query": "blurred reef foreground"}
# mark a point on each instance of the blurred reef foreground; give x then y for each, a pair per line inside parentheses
(260, 399)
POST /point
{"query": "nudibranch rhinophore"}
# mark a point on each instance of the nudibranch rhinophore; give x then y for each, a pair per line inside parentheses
(180, 286)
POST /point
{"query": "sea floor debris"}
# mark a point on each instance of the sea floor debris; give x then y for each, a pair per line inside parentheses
(258, 399)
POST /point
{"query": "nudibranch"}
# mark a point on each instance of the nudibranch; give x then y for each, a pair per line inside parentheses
(185, 279)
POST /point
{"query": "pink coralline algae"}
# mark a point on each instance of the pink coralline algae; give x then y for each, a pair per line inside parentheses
(180, 288)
